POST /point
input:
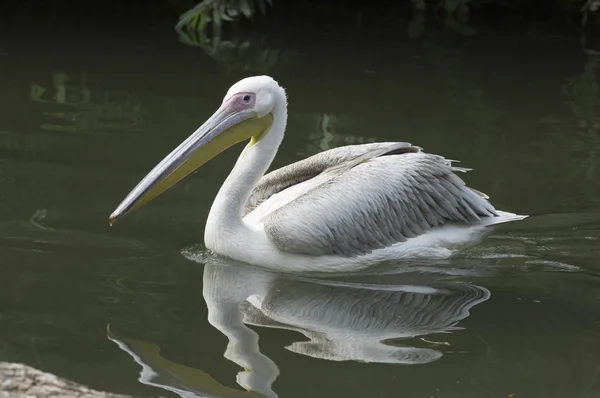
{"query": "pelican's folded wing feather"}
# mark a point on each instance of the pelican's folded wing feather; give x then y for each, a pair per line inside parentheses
(375, 203)
(303, 170)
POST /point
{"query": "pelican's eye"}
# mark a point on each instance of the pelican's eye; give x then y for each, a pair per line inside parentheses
(243, 100)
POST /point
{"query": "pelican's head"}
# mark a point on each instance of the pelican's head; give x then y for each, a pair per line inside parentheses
(247, 112)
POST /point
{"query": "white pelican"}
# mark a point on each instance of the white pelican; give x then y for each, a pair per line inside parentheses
(347, 207)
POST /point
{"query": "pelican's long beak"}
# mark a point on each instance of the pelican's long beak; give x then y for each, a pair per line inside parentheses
(226, 127)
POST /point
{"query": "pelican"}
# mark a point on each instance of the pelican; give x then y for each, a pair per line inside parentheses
(351, 206)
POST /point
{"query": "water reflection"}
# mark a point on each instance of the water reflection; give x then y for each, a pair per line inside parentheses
(182, 380)
(234, 52)
(456, 14)
(245, 54)
(582, 93)
(343, 319)
(365, 318)
(214, 12)
(85, 111)
(329, 130)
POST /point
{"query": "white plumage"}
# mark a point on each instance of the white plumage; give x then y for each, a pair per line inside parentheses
(345, 208)
(340, 209)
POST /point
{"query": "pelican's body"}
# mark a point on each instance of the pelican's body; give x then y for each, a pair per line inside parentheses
(344, 208)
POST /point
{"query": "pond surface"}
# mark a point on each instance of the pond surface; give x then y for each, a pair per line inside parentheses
(125, 310)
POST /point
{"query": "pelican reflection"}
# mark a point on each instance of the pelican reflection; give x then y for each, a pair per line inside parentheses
(347, 319)
(365, 318)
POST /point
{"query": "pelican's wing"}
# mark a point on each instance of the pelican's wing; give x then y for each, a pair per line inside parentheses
(306, 169)
(373, 203)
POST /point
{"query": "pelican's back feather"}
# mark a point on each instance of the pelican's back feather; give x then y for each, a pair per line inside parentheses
(305, 169)
(372, 201)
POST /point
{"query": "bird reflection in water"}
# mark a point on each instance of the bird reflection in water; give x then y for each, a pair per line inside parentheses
(345, 318)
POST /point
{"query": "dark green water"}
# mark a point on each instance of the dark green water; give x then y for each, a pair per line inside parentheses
(83, 119)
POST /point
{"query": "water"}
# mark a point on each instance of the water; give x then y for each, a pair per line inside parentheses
(85, 118)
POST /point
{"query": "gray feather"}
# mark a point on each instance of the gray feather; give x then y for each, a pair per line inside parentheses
(378, 195)
(303, 170)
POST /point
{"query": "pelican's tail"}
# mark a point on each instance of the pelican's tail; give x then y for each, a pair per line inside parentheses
(502, 217)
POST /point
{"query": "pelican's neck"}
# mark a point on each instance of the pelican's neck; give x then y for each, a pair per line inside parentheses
(226, 213)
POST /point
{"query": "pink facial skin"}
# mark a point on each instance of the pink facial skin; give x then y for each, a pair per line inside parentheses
(241, 101)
